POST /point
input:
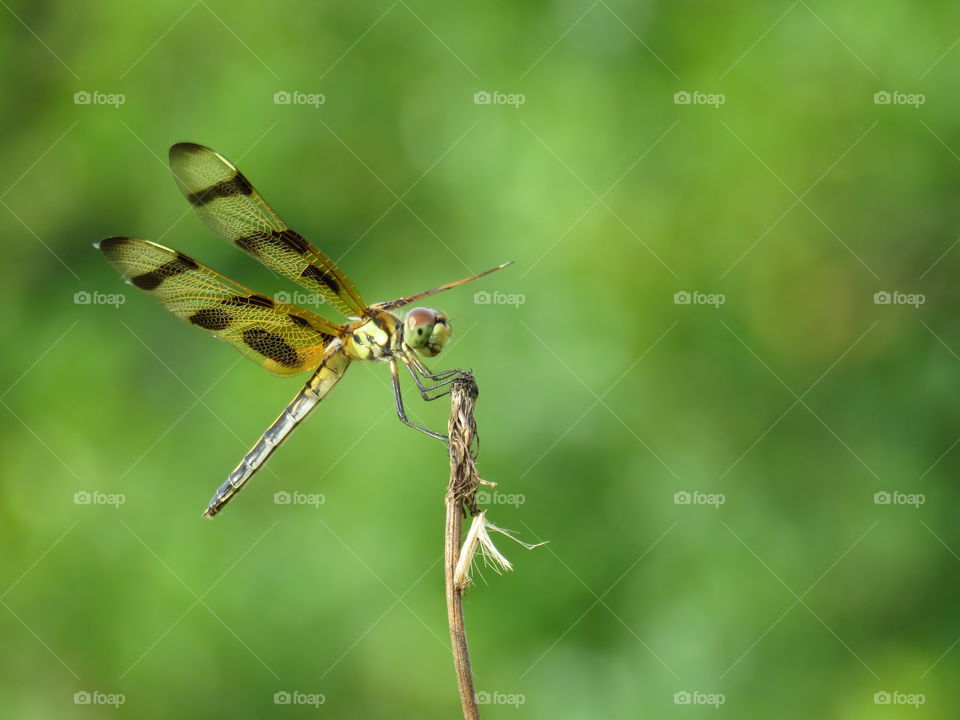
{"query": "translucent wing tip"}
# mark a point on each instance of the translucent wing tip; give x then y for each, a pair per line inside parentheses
(393, 304)
(181, 149)
(107, 245)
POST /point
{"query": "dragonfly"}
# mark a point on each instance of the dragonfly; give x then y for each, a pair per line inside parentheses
(283, 338)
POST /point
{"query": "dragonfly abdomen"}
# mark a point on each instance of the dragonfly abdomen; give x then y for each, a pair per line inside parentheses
(326, 376)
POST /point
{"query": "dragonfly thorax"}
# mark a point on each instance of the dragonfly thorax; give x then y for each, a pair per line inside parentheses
(376, 336)
(379, 334)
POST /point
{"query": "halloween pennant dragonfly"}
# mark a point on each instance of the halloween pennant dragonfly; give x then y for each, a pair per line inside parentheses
(284, 339)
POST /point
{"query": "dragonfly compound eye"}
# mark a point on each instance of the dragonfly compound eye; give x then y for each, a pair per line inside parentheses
(419, 326)
(426, 331)
(438, 338)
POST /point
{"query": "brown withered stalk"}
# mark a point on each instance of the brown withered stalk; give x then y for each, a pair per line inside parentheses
(460, 500)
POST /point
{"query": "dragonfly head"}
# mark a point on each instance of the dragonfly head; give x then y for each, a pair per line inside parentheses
(426, 331)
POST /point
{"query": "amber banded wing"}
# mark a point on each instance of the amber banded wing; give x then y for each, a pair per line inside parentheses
(284, 339)
(230, 206)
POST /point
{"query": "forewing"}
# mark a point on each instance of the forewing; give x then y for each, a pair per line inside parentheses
(284, 339)
(230, 206)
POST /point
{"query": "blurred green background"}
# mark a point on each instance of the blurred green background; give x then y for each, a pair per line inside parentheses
(785, 188)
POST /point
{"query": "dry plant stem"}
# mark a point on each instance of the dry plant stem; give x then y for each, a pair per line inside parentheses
(464, 480)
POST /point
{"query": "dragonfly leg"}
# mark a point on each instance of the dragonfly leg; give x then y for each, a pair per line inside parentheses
(426, 390)
(412, 360)
(419, 372)
(398, 398)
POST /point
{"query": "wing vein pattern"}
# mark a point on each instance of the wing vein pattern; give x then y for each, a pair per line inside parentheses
(282, 338)
(230, 206)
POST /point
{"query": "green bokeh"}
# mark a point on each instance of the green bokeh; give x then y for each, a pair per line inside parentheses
(797, 199)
